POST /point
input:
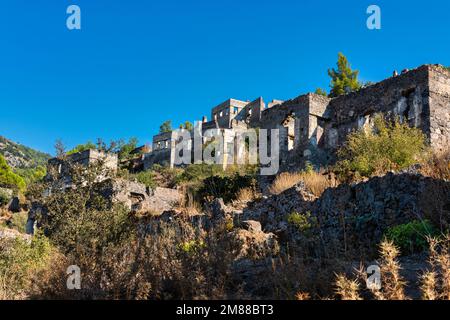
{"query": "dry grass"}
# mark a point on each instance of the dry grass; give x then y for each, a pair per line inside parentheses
(316, 182)
(437, 165)
(244, 196)
(188, 205)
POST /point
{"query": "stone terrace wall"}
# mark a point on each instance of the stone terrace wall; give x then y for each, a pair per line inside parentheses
(357, 214)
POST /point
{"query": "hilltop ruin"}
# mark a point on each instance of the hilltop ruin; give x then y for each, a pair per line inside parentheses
(311, 127)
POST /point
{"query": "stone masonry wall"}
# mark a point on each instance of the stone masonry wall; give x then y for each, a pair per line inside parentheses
(439, 107)
(405, 96)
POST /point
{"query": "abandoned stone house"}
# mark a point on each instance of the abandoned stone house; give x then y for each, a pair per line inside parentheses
(133, 195)
(312, 126)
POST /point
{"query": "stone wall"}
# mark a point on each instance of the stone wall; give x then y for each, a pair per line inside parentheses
(83, 158)
(439, 107)
(405, 96)
(358, 214)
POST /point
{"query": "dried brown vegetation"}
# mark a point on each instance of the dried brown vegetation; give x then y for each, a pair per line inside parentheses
(316, 182)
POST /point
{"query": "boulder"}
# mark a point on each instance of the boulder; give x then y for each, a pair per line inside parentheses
(255, 244)
(14, 205)
(252, 226)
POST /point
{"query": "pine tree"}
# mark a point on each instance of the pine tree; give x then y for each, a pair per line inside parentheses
(343, 80)
(188, 126)
(166, 126)
(8, 178)
(321, 92)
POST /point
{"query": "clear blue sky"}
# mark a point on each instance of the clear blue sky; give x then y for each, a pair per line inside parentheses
(136, 63)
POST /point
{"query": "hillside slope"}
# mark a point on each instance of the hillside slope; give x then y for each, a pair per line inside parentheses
(20, 156)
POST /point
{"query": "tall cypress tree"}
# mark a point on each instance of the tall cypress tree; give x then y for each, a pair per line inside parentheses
(344, 79)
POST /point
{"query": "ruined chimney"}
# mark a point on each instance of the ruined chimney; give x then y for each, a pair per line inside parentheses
(204, 119)
(395, 73)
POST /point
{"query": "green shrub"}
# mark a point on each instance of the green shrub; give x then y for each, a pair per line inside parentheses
(82, 147)
(411, 237)
(303, 222)
(147, 178)
(198, 172)
(389, 146)
(19, 260)
(4, 199)
(19, 221)
(31, 175)
(190, 247)
(226, 187)
(8, 178)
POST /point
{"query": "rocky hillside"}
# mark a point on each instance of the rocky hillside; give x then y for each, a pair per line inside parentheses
(20, 156)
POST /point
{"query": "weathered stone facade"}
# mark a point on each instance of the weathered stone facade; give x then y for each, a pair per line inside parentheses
(59, 168)
(311, 127)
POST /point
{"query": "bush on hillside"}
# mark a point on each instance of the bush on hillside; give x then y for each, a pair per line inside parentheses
(19, 261)
(227, 187)
(411, 237)
(8, 178)
(4, 199)
(147, 178)
(388, 146)
(31, 175)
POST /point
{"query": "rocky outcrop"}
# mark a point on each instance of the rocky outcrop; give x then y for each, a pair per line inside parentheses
(255, 244)
(356, 215)
(271, 211)
(6, 233)
(139, 198)
(20, 156)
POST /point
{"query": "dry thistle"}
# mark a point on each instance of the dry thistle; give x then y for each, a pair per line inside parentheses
(302, 296)
(393, 285)
(428, 286)
(347, 289)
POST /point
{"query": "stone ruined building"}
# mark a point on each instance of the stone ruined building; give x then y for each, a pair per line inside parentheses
(134, 195)
(313, 126)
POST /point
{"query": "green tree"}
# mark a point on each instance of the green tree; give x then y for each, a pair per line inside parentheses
(31, 175)
(187, 126)
(8, 178)
(343, 79)
(82, 147)
(321, 92)
(166, 126)
(124, 148)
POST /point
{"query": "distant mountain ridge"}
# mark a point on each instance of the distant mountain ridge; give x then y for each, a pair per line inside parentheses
(20, 156)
